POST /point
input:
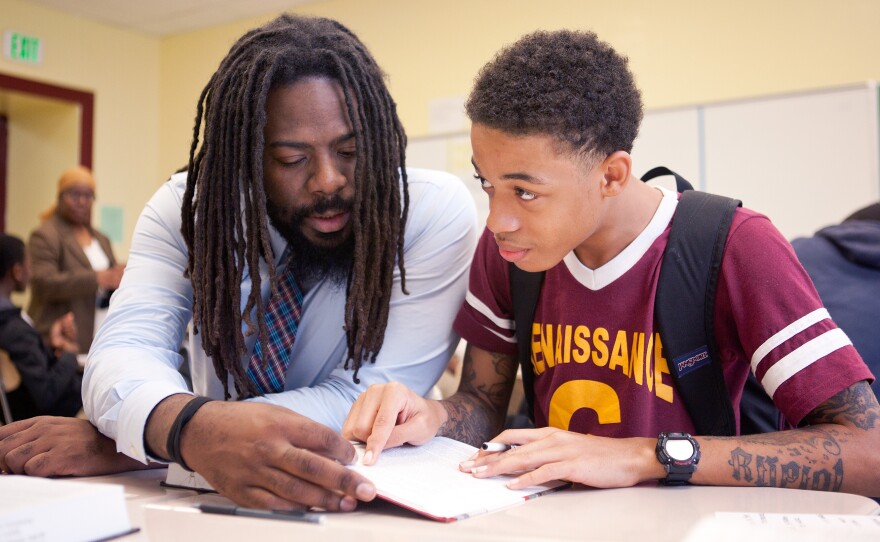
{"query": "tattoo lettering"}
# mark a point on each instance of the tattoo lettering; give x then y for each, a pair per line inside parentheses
(791, 474)
(740, 460)
(766, 471)
(824, 480)
(806, 449)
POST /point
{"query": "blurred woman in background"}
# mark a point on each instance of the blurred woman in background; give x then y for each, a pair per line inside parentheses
(74, 269)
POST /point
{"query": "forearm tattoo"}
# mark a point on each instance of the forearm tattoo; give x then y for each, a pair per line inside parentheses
(856, 405)
(810, 457)
(477, 410)
(805, 459)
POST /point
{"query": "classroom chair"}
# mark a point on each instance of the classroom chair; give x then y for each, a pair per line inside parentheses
(10, 380)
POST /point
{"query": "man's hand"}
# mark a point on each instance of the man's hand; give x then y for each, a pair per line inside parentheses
(56, 446)
(264, 456)
(388, 415)
(549, 454)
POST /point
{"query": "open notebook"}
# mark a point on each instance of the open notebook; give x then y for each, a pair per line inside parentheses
(426, 480)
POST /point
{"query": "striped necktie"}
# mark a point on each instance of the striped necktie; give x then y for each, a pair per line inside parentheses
(282, 320)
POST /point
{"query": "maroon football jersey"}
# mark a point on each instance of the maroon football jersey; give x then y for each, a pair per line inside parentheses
(599, 363)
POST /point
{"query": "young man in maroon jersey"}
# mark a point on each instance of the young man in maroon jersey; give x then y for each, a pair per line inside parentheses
(554, 120)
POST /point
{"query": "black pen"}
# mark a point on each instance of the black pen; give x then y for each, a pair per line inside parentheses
(232, 510)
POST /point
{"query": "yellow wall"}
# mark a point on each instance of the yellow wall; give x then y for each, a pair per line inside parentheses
(43, 141)
(682, 52)
(121, 68)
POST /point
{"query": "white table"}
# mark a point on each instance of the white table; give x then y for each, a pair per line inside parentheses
(648, 513)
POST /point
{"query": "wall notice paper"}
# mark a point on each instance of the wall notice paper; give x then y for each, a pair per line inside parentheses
(60, 510)
(758, 527)
(111, 223)
(426, 480)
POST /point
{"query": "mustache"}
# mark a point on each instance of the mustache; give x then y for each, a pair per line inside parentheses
(331, 203)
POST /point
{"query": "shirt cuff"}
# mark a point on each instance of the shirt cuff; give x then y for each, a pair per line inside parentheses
(132, 421)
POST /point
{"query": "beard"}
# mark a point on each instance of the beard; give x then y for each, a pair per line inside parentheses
(332, 258)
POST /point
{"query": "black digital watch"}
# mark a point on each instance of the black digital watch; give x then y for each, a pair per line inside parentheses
(679, 454)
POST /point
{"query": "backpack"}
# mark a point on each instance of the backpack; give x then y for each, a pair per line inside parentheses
(684, 311)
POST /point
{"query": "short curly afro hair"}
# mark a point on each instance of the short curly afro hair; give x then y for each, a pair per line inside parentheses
(567, 84)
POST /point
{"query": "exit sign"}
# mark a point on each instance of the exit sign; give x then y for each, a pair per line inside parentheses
(22, 48)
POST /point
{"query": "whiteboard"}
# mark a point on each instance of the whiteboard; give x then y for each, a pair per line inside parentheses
(806, 160)
(670, 138)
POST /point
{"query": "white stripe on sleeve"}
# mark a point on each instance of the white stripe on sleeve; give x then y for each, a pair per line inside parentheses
(481, 307)
(505, 338)
(786, 333)
(802, 357)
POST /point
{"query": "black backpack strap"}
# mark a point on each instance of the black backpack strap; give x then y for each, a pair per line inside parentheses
(711, 219)
(525, 287)
(685, 308)
(685, 314)
(681, 184)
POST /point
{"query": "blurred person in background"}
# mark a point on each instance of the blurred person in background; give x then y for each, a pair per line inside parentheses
(844, 262)
(50, 379)
(74, 269)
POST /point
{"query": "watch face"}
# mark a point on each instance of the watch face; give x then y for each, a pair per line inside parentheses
(680, 450)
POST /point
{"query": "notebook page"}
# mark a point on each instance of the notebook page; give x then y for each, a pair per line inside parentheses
(426, 479)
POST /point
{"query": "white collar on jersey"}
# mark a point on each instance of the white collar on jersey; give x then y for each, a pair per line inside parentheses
(596, 279)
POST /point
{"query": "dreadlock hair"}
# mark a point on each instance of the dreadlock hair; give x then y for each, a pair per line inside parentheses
(566, 84)
(224, 215)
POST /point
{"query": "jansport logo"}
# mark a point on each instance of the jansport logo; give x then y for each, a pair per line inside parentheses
(691, 361)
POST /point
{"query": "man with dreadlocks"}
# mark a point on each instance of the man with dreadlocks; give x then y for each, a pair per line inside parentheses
(297, 163)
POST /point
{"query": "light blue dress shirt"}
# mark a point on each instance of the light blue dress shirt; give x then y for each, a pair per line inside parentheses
(134, 360)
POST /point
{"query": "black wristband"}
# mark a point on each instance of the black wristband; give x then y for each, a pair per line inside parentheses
(186, 414)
